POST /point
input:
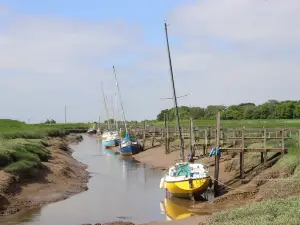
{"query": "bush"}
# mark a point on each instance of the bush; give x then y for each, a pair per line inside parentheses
(23, 167)
(20, 154)
(43, 153)
(5, 158)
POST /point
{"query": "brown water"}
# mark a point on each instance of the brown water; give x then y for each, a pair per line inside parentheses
(119, 189)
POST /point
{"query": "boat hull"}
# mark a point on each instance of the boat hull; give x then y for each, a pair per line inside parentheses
(130, 150)
(91, 131)
(111, 143)
(187, 188)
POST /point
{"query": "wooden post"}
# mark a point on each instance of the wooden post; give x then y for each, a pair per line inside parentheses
(153, 137)
(242, 155)
(206, 142)
(144, 135)
(191, 136)
(216, 181)
(166, 135)
(282, 141)
(233, 135)
(298, 138)
(208, 136)
(264, 154)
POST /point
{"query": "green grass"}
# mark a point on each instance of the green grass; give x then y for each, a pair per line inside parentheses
(22, 147)
(11, 129)
(271, 212)
(22, 167)
(19, 154)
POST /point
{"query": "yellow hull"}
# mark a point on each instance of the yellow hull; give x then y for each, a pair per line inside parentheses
(182, 188)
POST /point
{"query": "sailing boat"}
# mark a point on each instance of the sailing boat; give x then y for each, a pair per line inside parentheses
(183, 179)
(128, 146)
(92, 130)
(109, 137)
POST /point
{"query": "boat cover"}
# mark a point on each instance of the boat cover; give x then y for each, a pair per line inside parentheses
(182, 170)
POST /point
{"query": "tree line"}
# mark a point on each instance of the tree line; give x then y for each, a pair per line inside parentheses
(272, 109)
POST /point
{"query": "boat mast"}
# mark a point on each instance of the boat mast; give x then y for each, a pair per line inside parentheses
(115, 112)
(120, 100)
(174, 96)
(107, 115)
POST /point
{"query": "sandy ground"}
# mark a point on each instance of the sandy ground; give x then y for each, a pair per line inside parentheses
(61, 177)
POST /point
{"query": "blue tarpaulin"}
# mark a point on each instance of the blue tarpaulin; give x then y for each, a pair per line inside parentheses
(215, 152)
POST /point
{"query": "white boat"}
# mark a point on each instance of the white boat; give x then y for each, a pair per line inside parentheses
(110, 138)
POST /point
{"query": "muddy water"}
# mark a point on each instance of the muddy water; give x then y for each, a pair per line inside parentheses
(119, 189)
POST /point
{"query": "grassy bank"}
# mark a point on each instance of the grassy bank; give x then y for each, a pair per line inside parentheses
(279, 193)
(11, 129)
(23, 147)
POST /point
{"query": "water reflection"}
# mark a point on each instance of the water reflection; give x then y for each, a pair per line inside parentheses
(176, 209)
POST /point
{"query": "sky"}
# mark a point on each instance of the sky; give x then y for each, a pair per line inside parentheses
(57, 53)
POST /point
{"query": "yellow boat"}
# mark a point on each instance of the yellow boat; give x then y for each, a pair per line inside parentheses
(177, 210)
(186, 180)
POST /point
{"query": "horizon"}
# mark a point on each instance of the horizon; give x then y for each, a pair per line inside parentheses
(56, 54)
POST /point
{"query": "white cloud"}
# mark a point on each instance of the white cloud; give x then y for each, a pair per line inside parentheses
(241, 20)
(238, 50)
(223, 52)
(46, 63)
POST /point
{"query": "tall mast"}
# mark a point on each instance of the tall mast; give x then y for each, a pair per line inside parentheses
(120, 100)
(65, 114)
(174, 96)
(115, 112)
(107, 115)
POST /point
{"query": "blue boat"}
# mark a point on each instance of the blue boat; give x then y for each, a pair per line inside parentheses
(129, 146)
(131, 149)
(111, 143)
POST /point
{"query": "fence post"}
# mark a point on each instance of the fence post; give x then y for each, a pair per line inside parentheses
(191, 137)
(166, 135)
(242, 156)
(298, 138)
(144, 135)
(282, 141)
(264, 154)
(216, 181)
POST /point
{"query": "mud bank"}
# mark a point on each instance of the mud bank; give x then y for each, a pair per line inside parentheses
(59, 178)
(276, 175)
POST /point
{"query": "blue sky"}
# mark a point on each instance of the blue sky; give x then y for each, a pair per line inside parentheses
(57, 53)
(149, 14)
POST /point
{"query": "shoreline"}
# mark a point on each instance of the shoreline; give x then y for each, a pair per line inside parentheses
(58, 179)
